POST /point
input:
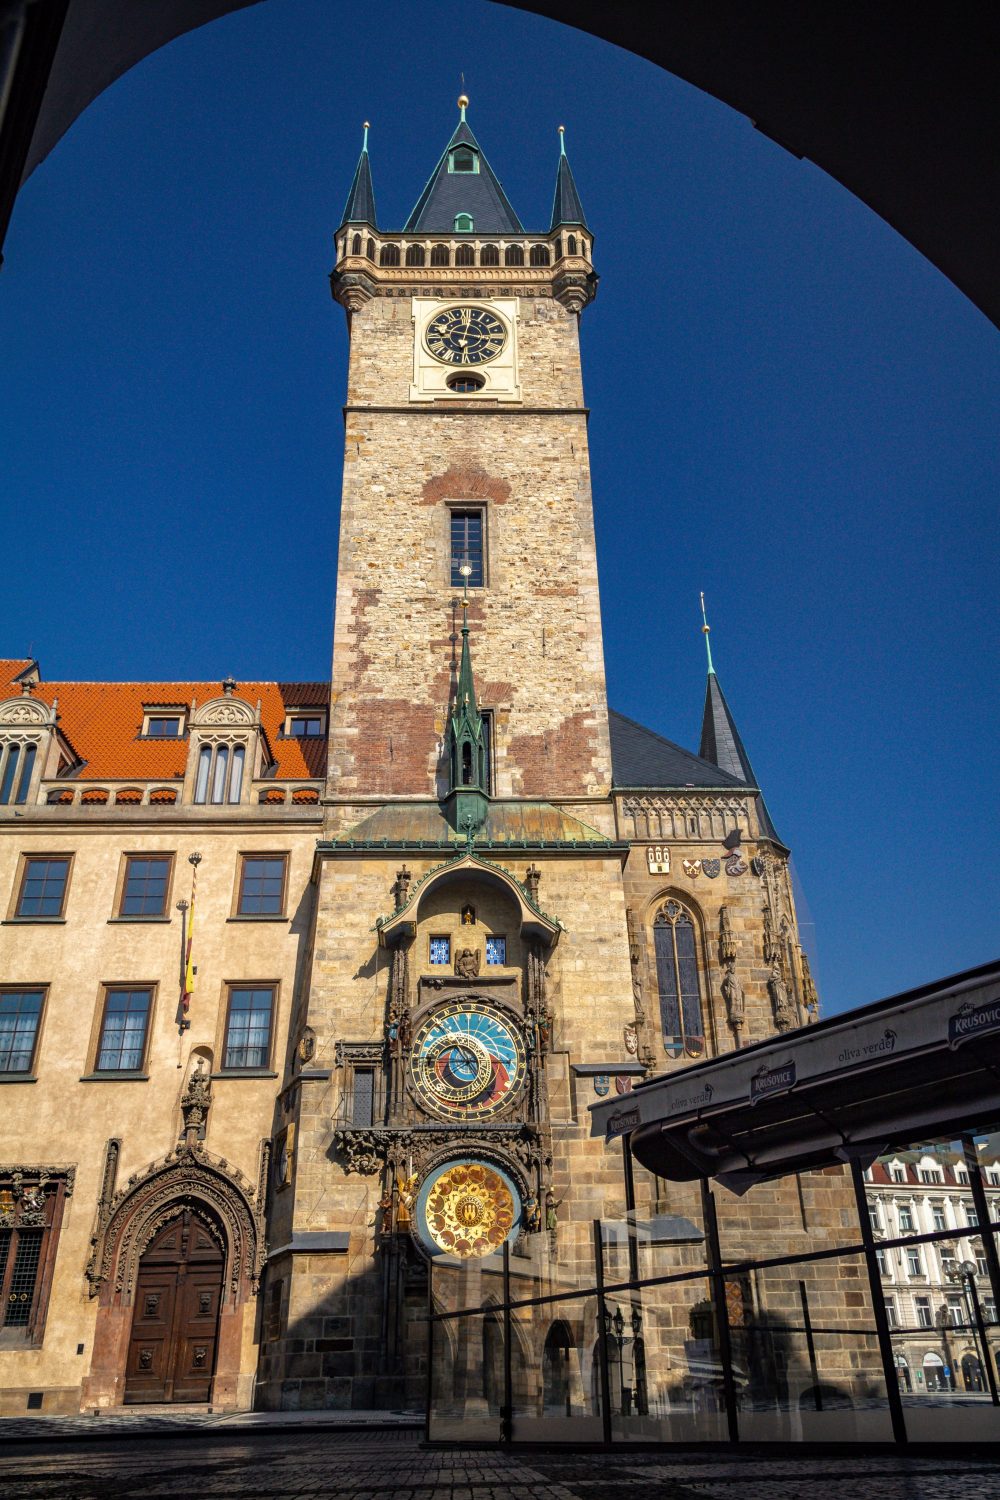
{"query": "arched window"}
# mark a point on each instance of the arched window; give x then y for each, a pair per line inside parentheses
(440, 256)
(463, 224)
(676, 949)
(513, 256)
(539, 255)
(415, 255)
(370, 249)
(17, 761)
(465, 255)
(220, 773)
(571, 245)
(389, 255)
(356, 245)
(489, 255)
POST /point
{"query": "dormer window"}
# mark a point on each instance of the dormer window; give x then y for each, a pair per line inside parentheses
(220, 773)
(17, 761)
(305, 724)
(463, 224)
(463, 159)
(162, 723)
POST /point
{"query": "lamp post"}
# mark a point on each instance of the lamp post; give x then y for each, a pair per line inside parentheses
(944, 1323)
(964, 1275)
(614, 1327)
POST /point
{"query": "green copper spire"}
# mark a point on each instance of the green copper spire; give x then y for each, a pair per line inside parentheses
(706, 631)
(467, 749)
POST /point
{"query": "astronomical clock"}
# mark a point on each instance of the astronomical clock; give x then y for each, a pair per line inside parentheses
(456, 1116)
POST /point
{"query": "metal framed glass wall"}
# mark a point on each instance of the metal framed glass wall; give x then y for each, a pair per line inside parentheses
(664, 1327)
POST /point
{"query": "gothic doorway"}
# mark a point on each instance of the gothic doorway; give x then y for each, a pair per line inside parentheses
(175, 1322)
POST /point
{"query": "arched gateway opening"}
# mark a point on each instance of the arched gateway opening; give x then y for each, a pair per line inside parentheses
(175, 1318)
(176, 1260)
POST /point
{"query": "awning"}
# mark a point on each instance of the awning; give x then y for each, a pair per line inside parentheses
(924, 1063)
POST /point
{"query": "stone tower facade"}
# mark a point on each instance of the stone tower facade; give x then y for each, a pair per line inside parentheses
(307, 988)
(521, 899)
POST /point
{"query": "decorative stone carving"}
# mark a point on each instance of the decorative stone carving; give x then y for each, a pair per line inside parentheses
(631, 1038)
(736, 864)
(400, 889)
(532, 879)
(186, 1177)
(305, 1049)
(692, 868)
(25, 711)
(784, 1011)
(809, 993)
(467, 962)
(232, 712)
(732, 989)
(196, 1101)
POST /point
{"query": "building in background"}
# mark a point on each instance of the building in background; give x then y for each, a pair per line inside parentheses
(432, 911)
(931, 1289)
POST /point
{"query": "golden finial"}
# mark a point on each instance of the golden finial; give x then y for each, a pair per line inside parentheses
(463, 101)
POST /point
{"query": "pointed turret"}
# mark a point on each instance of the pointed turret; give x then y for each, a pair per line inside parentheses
(464, 195)
(566, 205)
(360, 205)
(720, 739)
(467, 748)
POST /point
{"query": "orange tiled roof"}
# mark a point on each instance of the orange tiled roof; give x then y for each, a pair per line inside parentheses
(103, 723)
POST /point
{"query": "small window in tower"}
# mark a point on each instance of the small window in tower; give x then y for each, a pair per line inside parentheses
(467, 548)
(465, 255)
(465, 383)
(440, 256)
(463, 159)
(513, 256)
(571, 245)
(489, 255)
(539, 255)
(356, 245)
(440, 950)
(370, 249)
(389, 255)
(463, 224)
(415, 255)
(496, 950)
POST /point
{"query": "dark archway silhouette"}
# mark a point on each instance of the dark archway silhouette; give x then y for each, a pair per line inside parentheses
(904, 116)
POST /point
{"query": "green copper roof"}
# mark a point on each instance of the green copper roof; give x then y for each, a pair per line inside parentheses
(521, 824)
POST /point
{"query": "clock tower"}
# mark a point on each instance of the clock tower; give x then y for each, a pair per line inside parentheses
(503, 921)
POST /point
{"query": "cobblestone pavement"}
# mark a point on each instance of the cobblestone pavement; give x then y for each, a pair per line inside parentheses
(391, 1466)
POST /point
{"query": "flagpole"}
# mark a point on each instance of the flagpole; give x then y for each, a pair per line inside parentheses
(187, 938)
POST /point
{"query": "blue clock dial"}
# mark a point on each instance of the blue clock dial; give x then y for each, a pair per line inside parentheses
(467, 1060)
(465, 336)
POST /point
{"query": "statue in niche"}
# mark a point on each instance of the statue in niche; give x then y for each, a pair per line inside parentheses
(195, 1103)
(532, 1214)
(784, 1016)
(467, 963)
(552, 1206)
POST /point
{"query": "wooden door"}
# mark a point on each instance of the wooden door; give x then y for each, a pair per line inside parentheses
(171, 1355)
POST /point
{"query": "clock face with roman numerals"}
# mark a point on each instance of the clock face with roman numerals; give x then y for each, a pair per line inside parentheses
(468, 1060)
(465, 335)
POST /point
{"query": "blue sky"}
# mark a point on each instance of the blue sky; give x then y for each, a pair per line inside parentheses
(791, 410)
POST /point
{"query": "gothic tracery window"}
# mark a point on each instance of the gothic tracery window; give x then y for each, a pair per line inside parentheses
(677, 980)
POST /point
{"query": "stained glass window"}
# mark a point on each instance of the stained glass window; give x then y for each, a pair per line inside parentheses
(440, 950)
(123, 1031)
(677, 981)
(248, 1030)
(496, 950)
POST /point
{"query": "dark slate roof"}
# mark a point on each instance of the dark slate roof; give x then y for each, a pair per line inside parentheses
(451, 193)
(721, 744)
(566, 205)
(360, 205)
(641, 758)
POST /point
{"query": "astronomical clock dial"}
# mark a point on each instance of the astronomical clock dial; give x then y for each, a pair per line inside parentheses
(468, 1208)
(465, 336)
(467, 1061)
